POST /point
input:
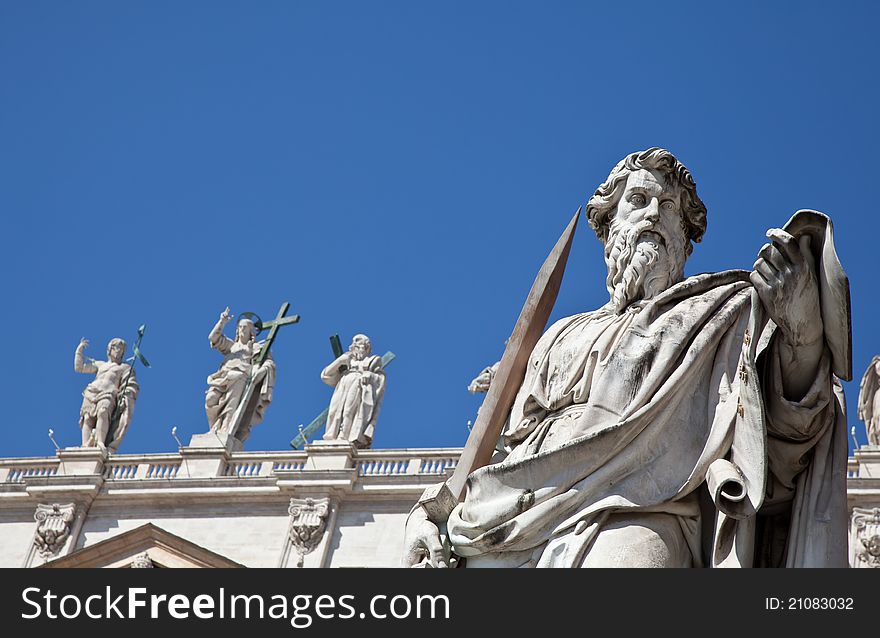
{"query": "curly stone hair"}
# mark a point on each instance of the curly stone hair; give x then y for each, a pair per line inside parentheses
(603, 202)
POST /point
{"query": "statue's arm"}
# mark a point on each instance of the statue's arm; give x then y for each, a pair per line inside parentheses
(801, 418)
(258, 350)
(129, 388)
(424, 541)
(787, 284)
(800, 365)
(335, 371)
(130, 384)
(375, 374)
(81, 363)
(794, 426)
(217, 339)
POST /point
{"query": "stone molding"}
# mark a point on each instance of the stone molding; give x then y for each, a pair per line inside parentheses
(308, 521)
(866, 537)
(53, 527)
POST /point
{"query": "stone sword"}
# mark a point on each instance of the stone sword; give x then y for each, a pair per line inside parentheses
(439, 500)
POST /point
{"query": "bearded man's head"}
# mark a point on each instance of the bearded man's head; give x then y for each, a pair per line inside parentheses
(646, 213)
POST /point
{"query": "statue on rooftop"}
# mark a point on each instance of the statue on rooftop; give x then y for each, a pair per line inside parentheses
(869, 401)
(241, 389)
(358, 379)
(108, 401)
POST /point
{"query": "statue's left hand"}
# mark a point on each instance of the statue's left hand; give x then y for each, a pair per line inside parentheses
(785, 279)
(423, 542)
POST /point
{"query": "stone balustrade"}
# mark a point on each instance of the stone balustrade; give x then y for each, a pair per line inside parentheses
(368, 464)
(17, 470)
(141, 466)
(852, 468)
(210, 494)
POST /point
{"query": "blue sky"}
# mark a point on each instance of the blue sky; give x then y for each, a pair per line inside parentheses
(394, 168)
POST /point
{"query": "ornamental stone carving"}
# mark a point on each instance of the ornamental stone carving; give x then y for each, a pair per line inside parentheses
(142, 561)
(866, 537)
(308, 520)
(53, 527)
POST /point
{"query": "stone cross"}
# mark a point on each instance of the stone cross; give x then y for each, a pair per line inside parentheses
(273, 326)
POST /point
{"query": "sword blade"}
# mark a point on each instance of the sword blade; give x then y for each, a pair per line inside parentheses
(528, 329)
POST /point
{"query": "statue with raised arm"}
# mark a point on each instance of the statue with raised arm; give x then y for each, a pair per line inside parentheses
(241, 390)
(690, 421)
(108, 401)
(359, 386)
(481, 383)
(869, 401)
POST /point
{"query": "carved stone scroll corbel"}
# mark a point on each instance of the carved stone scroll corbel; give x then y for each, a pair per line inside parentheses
(866, 537)
(53, 527)
(308, 520)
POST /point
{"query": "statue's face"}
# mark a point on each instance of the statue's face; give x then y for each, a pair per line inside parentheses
(245, 331)
(647, 196)
(647, 243)
(359, 349)
(115, 351)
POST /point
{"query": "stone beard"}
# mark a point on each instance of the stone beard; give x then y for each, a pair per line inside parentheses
(639, 267)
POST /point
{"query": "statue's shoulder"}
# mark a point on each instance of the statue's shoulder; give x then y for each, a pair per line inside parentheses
(561, 324)
(705, 283)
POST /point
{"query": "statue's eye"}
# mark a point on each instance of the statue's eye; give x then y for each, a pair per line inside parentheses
(638, 200)
(668, 205)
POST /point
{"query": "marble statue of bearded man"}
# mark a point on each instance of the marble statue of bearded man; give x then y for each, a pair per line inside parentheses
(359, 386)
(688, 422)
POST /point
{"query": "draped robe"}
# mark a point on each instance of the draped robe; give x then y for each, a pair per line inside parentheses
(357, 396)
(231, 382)
(677, 399)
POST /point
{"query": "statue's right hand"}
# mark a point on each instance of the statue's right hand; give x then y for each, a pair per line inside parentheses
(422, 542)
(83, 344)
(225, 316)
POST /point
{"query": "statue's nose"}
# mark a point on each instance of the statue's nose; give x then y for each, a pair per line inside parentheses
(652, 211)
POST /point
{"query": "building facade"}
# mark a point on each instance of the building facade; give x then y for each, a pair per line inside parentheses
(330, 505)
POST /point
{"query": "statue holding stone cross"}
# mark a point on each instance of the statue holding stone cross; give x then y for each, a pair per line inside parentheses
(241, 390)
(358, 379)
(320, 421)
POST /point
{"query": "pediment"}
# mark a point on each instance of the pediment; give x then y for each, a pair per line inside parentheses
(144, 546)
